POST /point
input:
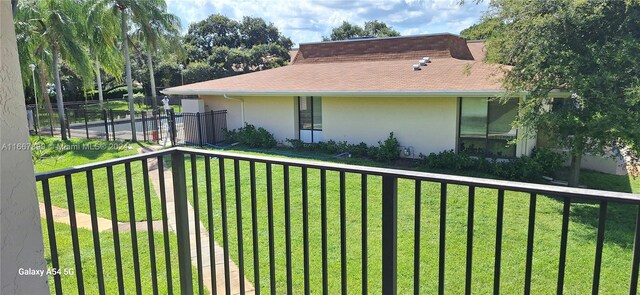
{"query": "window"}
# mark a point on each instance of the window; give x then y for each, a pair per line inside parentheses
(485, 127)
(310, 118)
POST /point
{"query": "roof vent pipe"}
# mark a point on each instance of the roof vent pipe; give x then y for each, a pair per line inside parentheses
(416, 67)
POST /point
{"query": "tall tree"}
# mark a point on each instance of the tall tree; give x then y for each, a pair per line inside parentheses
(100, 34)
(372, 29)
(139, 13)
(162, 31)
(587, 48)
(53, 23)
(483, 30)
(219, 46)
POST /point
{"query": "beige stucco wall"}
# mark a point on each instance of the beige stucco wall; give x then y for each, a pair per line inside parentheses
(274, 113)
(426, 124)
(22, 246)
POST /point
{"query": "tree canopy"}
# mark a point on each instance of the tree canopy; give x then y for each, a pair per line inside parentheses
(483, 30)
(371, 29)
(219, 46)
(588, 49)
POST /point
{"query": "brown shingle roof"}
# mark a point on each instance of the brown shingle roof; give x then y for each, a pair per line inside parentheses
(365, 67)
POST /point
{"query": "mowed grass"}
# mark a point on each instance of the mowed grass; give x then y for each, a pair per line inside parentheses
(109, 270)
(617, 254)
(73, 152)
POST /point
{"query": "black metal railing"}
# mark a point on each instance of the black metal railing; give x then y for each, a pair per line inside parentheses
(182, 170)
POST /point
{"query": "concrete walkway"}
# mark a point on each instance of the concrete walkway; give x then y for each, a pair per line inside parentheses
(204, 238)
(83, 220)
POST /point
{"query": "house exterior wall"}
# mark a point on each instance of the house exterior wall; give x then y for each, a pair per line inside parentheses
(425, 124)
(275, 114)
(21, 246)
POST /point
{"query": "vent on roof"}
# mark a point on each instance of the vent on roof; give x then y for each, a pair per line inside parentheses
(424, 61)
(416, 67)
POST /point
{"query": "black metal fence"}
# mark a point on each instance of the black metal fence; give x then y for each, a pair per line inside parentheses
(179, 128)
(323, 179)
(203, 129)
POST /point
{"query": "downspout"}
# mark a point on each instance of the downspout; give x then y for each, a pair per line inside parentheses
(241, 106)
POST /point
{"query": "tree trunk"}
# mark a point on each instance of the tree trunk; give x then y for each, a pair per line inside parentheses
(574, 170)
(42, 75)
(60, 102)
(152, 79)
(127, 61)
(99, 82)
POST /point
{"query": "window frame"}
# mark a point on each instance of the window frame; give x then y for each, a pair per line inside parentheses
(311, 109)
(486, 152)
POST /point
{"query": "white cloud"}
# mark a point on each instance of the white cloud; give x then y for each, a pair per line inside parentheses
(308, 20)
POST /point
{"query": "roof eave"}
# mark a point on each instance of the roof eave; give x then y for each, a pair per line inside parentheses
(452, 93)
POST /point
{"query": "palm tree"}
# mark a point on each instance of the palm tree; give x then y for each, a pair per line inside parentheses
(101, 31)
(161, 32)
(140, 13)
(52, 25)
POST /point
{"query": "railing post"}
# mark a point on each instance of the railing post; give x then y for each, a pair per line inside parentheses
(389, 234)
(182, 221)
(199, 127)
(213, 128)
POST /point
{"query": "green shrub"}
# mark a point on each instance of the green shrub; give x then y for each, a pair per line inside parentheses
(389, 149)
(138, 99)
(121, 92)
(542, 162)
(251, 136)
(296, 143)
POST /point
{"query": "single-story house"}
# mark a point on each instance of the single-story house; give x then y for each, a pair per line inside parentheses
(361, 90)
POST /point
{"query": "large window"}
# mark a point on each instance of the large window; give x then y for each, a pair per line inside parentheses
(485, 127)
(310, 118)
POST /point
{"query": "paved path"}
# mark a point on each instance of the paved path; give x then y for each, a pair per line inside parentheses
(83, 220)
(204, 238)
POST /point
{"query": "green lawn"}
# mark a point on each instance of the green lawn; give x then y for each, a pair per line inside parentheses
(76, 152)
(581, 244)
(90, 278)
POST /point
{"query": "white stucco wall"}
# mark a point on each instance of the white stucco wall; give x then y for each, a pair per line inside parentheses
(274, 113)
(426, 124)
(22, 245)
(192, 105)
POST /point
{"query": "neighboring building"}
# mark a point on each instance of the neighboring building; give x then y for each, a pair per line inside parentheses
(361, 90)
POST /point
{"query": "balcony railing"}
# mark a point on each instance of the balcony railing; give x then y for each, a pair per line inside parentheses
(316, 172)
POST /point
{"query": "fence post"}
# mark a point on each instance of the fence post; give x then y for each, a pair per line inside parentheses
(113, 126)
(106, 124)
(86, 122)
(389, 234)
(144, 125)
(213, 127)
(173, 128)
(160, 135)
(66, 123)
(182, 221)
(199, 126)
(51, 123)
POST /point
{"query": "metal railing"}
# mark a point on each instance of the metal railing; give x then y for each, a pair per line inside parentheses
(389, 220)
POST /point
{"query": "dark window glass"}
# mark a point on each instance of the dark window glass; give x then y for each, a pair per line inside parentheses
(304, 105)
(317, 112)
(310, 112)
(485, 127)
(500, 130)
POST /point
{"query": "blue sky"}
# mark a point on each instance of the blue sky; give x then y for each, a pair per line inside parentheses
(308, 20)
